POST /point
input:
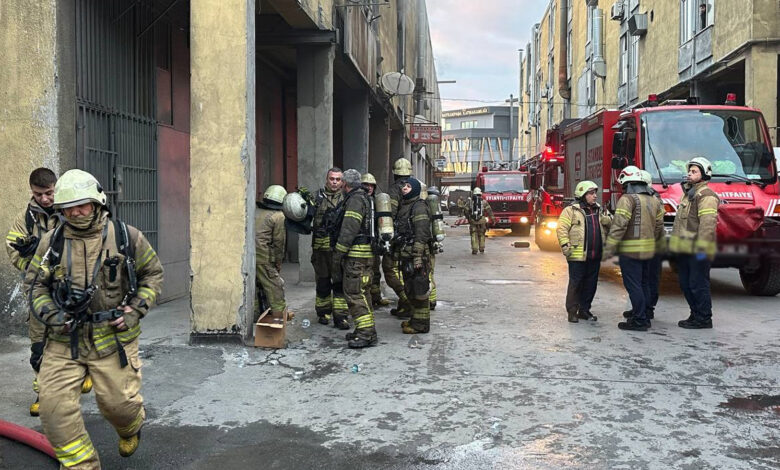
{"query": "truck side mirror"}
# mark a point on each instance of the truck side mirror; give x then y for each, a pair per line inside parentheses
(619, 162)
(619, 141)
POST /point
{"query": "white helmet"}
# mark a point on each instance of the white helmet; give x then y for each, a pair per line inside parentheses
(630, 174)
(477, 191)
(295, 207)
(647, 177)
(704, 166)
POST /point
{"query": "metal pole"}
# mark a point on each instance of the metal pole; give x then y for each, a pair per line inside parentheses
(511, 107)
(519, 98)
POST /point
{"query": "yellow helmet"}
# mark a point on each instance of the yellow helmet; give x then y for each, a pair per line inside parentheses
(402, 167)
(583, 187)
(77, 187)
(368, 178)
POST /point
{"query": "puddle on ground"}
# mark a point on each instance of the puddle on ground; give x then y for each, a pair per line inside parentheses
(502, 282)
(754, 403)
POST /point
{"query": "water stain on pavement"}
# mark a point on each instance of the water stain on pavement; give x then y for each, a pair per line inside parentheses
(503, 282)
(754, 403)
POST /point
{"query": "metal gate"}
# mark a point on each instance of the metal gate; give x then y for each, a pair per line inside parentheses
(116, 131)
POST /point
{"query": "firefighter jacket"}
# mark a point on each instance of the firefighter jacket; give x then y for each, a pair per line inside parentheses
(413, 230)
(270, 236)
(487, 213)
(395, 194)
(326, 203)
(694, 224)
(571, 231)
(34, 221)
(83, 253)
(637, 226)
(354, 235)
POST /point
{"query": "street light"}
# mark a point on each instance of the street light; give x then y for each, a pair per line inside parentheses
(511, 102)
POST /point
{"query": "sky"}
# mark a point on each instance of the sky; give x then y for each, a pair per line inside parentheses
(475, 42)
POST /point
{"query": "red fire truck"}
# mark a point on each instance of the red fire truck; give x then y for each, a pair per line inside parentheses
(661, 139)
(505, 187)
(547, 189)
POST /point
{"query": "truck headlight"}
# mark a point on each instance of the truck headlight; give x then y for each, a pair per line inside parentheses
(523, 220)
(552, 224)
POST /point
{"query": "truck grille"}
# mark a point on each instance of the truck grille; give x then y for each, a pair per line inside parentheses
(510, 206)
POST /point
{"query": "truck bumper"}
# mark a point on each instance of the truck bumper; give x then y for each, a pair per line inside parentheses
(507, 221)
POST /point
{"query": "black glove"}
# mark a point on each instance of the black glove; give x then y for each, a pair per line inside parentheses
(26, 246)
(36, 355)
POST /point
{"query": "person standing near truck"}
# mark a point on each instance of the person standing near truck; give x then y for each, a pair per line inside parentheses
(478, 213)
(693, 242)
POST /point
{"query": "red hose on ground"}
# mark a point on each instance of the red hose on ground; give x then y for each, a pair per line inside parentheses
(27, 437)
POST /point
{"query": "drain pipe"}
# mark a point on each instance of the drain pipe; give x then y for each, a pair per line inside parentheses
(563, 67)
(599, 64)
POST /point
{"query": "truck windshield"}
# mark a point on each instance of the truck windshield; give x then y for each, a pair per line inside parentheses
(732, 140)
(505, 183)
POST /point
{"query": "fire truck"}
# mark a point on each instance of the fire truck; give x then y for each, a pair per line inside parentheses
(661, 139)
(505, 187)
(547, 190)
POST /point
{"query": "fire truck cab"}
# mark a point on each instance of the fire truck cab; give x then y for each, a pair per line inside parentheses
(661, 139)
(547, 190)
(505, 186)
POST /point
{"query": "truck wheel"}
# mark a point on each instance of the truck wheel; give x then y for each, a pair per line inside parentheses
(764, 282)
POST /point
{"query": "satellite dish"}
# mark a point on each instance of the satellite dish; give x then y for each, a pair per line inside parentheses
(396, 83)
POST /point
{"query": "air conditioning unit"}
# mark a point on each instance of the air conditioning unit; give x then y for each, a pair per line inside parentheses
(616, 13)
(637, 24)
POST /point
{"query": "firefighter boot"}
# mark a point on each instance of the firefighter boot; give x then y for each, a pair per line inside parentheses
(695, 323)
(381, 302)
(86, 385)
(340, 322)
(35, 408)
(324, 319)
(128, 445)
(586, 316)
(404, 309)
(356, 341)
(409, 329)
(632, 325)
(433, 305)
(573, 317)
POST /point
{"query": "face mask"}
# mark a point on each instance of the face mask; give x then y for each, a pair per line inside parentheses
(81, 222)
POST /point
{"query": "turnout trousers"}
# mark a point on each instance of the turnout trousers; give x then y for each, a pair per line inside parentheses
(117, 391)
(477, 232)
(273, 285)
(376, 279)
(417, 284)
(636, 279)
(329, 298)
(357, 285)
(583, 280)
(694, 278)
(393, 277)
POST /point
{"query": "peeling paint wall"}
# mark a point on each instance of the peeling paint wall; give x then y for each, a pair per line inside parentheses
(222, 181)
(28, 119)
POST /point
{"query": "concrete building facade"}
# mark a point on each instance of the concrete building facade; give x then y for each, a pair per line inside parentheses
(614, 54)
(477, 135)
(187, 110)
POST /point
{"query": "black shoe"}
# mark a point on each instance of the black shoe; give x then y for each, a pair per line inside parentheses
(482, 251)
(586, 316)
(323, 319)
(401, 312)
(632, 325)
(350, 336)
(433, 305)
(357, 343)
(341, 324)
(473, 252)
(695, 324)
(650, 314)
(628, 314)
(573, 318)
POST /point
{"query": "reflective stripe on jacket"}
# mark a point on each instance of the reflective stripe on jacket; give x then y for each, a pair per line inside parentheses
(571, 231)
(637, 227)
(695, 222)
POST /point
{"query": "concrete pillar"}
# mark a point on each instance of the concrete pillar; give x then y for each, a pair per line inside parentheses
(761, 78)
(355, 130)
(315, 130)
(222, 176)
(32, 82)
(379, 150)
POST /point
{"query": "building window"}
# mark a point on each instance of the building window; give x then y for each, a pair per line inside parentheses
(623, 62)
(468, 124)
(447, 126)
(551, 30)
(634, 57)
(695, 16)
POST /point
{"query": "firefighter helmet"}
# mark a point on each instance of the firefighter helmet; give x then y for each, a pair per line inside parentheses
(77, 187)
(274, 194)
(434, 191)
(647, 177)
(704, 166)
(402, 167)
(583, 187)
(477, 192)
(368, 178)
(630, 174)
(295, 207)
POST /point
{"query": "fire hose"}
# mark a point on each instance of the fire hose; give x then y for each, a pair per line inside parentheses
(27, 437)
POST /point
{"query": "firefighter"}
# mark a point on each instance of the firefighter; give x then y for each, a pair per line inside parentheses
(21, 242)
(693, 242)
(412, 250)
(636, 229)
(402, 171)
(582, 232)
(656, 263)
(91, 281)
(435, 247)
(327, 205)
(477, 212)
(270, 239)
(369, 184)
(353, 257)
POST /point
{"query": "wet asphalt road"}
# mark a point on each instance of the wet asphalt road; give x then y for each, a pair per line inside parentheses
(501, 382)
